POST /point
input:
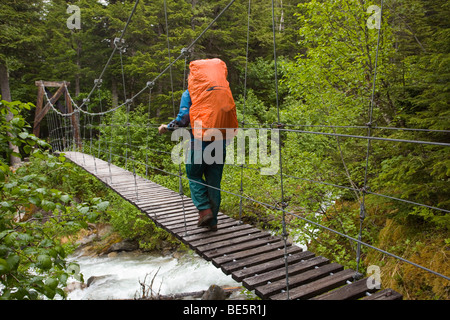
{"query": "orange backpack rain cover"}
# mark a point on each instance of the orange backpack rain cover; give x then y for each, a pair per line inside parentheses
(212, 102)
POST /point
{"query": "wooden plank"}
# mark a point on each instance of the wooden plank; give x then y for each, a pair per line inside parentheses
(152, 196)
(223, 231)
(304, 265)
(131, 183)
(173, 202)
(239, 247)
(144, 196)
(385, 294)
(147, 199)
(275, 287)
(169, 224)
(51, 83)
(231, 242)
(193, 230)
(141, 184)
(271, 265)
(235, 265)
(355, 290)
(225, 238)
(193, 222)
(168, 203)
(188, 221)
(318, 287)
(167, 216)
(218, 261)
(159, 213)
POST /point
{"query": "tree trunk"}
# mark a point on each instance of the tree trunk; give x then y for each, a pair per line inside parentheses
(6, 95)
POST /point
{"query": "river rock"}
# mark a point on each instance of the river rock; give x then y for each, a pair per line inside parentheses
(112, 254)
(74, 286)
(94, 279)
(214, 292)
(86, 240)
(125, 245)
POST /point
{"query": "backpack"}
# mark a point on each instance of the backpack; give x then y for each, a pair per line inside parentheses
(212, 101)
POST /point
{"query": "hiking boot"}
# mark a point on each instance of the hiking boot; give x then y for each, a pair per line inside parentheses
(205, 217)
(213, 228)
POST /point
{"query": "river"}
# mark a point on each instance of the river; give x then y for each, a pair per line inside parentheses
(120, 275)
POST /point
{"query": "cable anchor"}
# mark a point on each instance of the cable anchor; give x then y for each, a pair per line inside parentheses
(119, 44)
(150, 84)
(98, 82)
(185, 52)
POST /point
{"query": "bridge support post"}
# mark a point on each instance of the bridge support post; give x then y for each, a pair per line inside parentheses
(42, 111)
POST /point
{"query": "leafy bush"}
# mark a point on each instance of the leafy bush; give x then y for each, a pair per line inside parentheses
(32, 216)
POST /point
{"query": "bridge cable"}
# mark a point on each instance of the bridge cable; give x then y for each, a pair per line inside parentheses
(283, 203)
(362, 214)
(241, 190)
(170, 58)
(114, 49)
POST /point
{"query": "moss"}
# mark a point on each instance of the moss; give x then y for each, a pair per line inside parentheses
(425, 248)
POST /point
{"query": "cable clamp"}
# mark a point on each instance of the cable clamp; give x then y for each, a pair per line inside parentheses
(357, 276)
(150, 84)
(277, 125)
(118, 43)
(282, 204)
(185, 52)
(364, 189)
(362, 212)
(98, 82)
(129, 101)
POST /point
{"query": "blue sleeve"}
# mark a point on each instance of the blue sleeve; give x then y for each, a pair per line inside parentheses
(182, 119)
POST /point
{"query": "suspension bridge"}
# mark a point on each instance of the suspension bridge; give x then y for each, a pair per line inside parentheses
(270, 265)
(254, 257)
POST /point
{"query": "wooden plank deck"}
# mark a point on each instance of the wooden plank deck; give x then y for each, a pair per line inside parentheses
(252, 256)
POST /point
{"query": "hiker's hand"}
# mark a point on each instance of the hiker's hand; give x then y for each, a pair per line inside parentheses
(162, 129)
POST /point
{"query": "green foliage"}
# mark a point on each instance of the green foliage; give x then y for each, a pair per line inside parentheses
(32, 218)
(15, 131)
(33, 215)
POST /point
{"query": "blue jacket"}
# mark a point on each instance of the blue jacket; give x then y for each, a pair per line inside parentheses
(182, 119)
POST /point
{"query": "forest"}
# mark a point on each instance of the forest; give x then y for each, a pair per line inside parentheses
(322, 71)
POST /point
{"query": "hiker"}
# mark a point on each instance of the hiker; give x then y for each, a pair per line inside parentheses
(207, 103)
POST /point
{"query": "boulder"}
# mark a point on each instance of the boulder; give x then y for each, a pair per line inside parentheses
(214, 292)
(125, 245)
(74, 286)
(94, 279)
(86, 240)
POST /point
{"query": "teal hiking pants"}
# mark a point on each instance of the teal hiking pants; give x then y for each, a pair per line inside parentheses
(197, 170)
